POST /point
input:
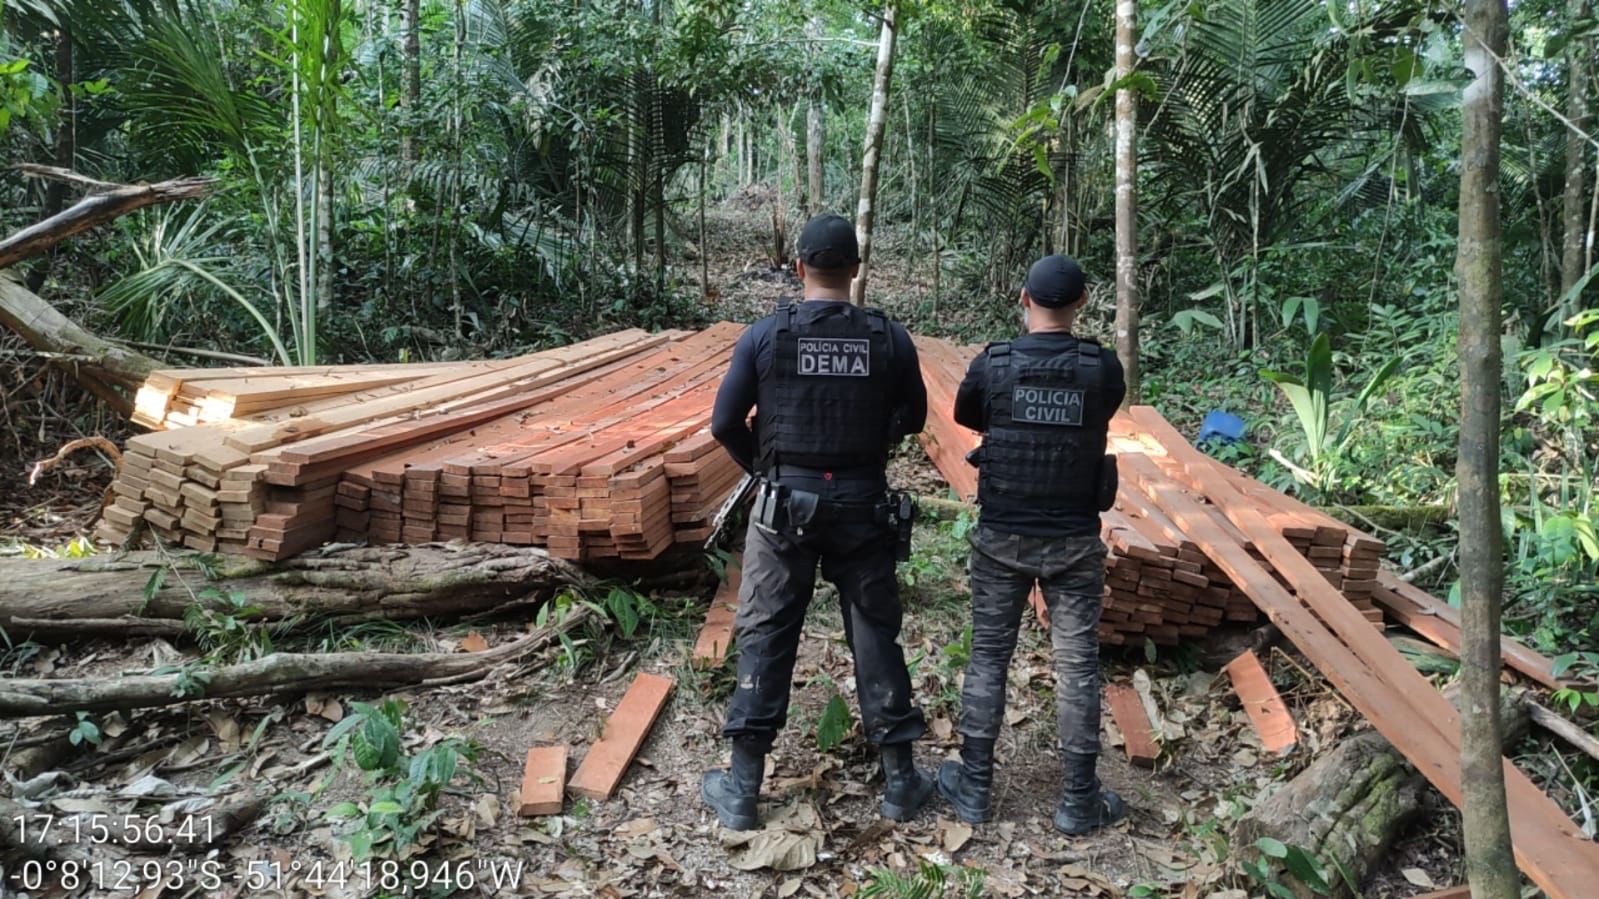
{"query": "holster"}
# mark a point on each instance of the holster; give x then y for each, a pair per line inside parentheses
(901, 508)
(770, 510)
(1109, 482)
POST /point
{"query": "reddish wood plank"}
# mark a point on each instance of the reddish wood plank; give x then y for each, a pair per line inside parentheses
(1403, 706)
(1137, 735)
(1439, 622)
(1261, 701)
(607, 760)
(717, 634)
(543, 781)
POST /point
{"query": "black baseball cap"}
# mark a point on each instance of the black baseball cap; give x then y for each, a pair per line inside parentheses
(1055, 281)
(828, 241)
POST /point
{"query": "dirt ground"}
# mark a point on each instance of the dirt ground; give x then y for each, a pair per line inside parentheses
(655, 838)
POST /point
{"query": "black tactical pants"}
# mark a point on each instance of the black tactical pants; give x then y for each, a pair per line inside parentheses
(779, 578)
(1071, 572)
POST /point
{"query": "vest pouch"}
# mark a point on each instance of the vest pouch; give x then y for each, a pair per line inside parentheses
(802, 505)
(974, 458)
(1109, 482)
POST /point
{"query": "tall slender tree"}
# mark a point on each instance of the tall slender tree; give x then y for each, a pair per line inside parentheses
(1579, 59)
(410, 75)
(815, 198)
(1490, 866)
(1127, 199)
(872, 151)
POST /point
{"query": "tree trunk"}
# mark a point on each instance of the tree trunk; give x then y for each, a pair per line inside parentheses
(1127, 202)
(638, 176)
(276, 673)
(1490, 866)
(45, 598)
(871, 152)
(109, 371)
(814, 138)
(55, 196)
(705, 259)
(1351, 803)
(410, 76)
(1573, 208)
(324, 230)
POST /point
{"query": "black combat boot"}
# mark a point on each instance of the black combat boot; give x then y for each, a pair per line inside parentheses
(905, 789)
(969, 783)
(734, 793)
(1085, 805)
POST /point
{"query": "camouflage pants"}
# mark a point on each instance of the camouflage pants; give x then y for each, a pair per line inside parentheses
(779, 578)
(1071, 572)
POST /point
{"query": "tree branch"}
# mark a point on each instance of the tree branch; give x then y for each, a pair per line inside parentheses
(94, 210)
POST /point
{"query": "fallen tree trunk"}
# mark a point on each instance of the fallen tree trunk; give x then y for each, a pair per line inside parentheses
(111, 372)
(282, 672)
(1351, 803)
(115, 201)
(107, 595)
(104, 368)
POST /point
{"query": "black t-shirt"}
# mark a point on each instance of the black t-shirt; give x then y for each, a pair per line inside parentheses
(971, 410)
(754, 359)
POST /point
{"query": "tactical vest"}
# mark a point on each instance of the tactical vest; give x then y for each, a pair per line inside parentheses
(1043, 444)
(828, 400)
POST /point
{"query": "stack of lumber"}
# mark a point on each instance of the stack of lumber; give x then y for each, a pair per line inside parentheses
(183, 398)
(1217, 510)
(621, 466)
(1159, 584)
(600, 449)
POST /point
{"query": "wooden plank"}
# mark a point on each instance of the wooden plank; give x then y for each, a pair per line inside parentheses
(1401, 704)
(543, 782)
(716, 636)
(530, 371)
(1439, 622)
(606, 762)
(1265, 707)
(1138, 737)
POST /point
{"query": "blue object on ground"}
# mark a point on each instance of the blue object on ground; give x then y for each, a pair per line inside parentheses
(1221, 427)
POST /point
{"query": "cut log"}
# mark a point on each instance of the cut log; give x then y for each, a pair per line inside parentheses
(1352, 802)
(54, 597)
(281, 672)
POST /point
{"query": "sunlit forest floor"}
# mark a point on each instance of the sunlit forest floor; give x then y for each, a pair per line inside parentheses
(656, 838)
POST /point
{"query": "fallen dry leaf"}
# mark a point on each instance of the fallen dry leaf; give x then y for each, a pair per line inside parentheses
(324, 706)
(474, 642)
(638, 827)
(1418, 877)
(789, 841)
(953, 834)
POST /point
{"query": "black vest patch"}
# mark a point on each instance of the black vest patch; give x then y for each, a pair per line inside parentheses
(1061, 406)
(835, 357)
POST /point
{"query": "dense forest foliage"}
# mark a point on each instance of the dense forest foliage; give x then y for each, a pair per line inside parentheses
(426, 179)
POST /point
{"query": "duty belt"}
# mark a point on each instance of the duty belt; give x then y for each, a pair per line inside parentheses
(868, 474)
